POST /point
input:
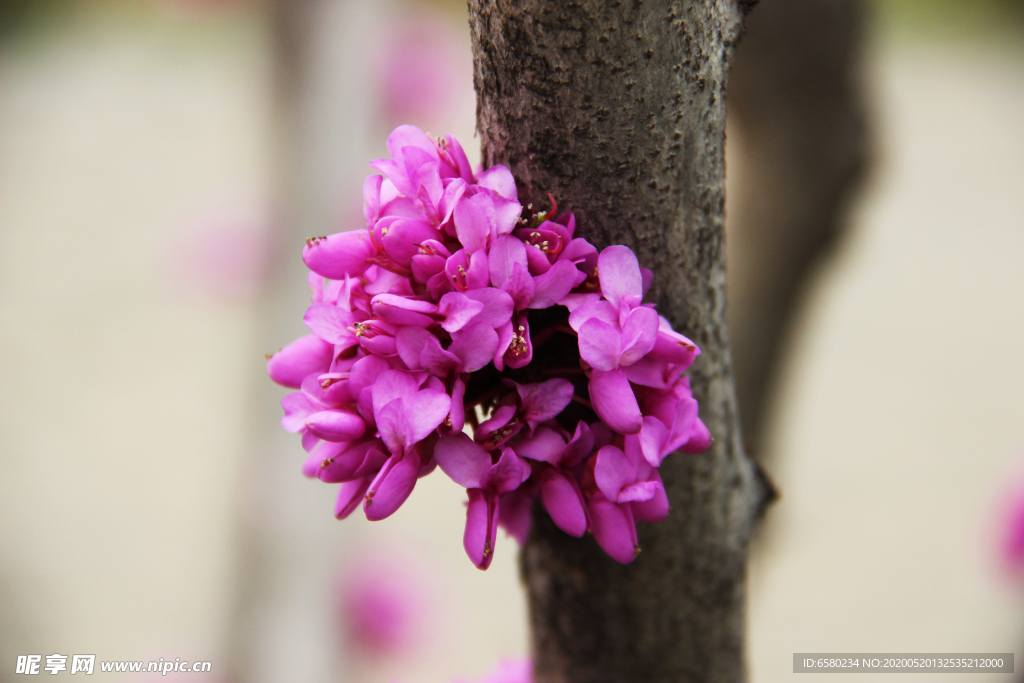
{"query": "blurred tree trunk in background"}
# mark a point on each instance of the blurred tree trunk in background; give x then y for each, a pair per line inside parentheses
(618, 110)
(797, 115)
(285, 626)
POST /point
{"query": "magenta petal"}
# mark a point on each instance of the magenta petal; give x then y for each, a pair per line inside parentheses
(304, 356)
(426, 410)
(339, 461)
(553, 285)
(338, 255)
(619, 273)
(371, 198)
(472, 224)
(391, 385)
(507, 474)
(330, 323)
(335, 425)
(614, 528)
(403, 310)
(545, 400)
(613, 472)
(672, 347)
(579, 447)
(563, 502)
(506, 214)
(520, 286)
(437, 360)
(475, 346)
(656, 509)
(297, 407)
(403, 237)
(682, 426)
(309, 442)
(506, 252)
(639, 492)
(497, 304)
(481, 527)
(515, 514)
(546, 445)
(699, 441)
(349, 496)
(615, 402)
(465, 463)
(654, 439)
(499, 179)
(599, 344)
(365, 372)
(394, 427)
(311, 465)
(457, 412)
(519, 352)
(638, 335)
(593, 308)
(648, 372)
(457, 309)
(409, 342)
(391, 487)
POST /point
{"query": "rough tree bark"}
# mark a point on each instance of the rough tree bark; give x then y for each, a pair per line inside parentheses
(797, 105)
(617, 109)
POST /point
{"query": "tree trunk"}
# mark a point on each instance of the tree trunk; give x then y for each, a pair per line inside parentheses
(617, 109)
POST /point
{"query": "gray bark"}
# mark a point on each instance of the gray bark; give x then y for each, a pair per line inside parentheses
(617, 109)
(797, 105)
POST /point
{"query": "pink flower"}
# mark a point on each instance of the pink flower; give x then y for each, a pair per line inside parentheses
(382, 601)
(455, 331)
(509, 671)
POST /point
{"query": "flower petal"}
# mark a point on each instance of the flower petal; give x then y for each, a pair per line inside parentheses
(472, 223)
(599, 344)
(619, 273)
(546, 445)
(563, 501)
(656, 509)
(545, 400)
(465, 462)
(457, 309)
(638, 335)
(481, 527)
(553, 285)
(297, 407)
(349, 496)
(613, 472)
(515, 513)
(392, 486)
(474, 346)
(507, 474)
(506, 252)
(331, 324)
(614, 528)
(303, 357)
(615, 402)
(338, 255)
(402, 310)
(335, 425)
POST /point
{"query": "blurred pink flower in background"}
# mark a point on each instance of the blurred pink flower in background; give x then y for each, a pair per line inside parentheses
(423, 67)
(509, 671)
(224, 253)
(1012, 530)
(383, 605)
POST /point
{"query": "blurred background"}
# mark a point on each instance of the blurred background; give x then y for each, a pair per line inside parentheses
(161, 163)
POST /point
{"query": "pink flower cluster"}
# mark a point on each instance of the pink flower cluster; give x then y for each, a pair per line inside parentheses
(456, 332)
